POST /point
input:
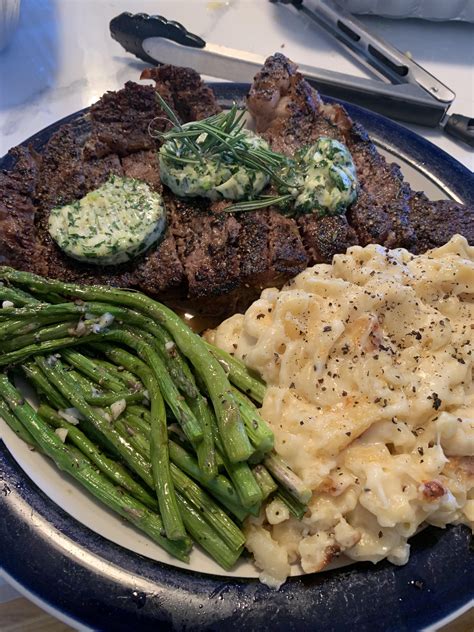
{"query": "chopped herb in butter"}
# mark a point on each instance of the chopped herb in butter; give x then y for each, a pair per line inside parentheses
(323, 179)
(216, 177)
(113, 224)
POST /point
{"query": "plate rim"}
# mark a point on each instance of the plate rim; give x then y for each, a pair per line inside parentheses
(178, 598)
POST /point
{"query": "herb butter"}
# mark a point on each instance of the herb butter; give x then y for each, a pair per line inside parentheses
(113, 224)
(216, 178)
(322, 179)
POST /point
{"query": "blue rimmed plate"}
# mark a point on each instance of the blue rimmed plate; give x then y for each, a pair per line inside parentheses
(82, 562)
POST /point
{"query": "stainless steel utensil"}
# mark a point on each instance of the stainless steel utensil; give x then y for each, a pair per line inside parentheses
(414, 95)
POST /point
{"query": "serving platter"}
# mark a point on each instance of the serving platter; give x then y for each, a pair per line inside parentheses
(99, 574)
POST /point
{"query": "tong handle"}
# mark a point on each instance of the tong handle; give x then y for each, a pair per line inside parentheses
(130, 30)
(377, 52)
(460, 127)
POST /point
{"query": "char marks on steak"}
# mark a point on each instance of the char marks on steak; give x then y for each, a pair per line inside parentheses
(218, 261)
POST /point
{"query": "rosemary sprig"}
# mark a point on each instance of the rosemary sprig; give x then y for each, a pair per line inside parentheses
(220, 138)
(220, 141)
(262, 202)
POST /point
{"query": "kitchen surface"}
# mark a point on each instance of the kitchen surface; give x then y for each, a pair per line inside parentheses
(62, 59)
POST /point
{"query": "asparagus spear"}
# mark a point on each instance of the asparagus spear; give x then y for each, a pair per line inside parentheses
(287, 478)
(135, 437)
(219, 486)
(43, 334)
(238, 374)
(205, 450)
(259, 433)
(96, 425)
(10, 327)
(15, 295)
(49, 346)
(198, 405)
(95, 372)
(264, 480)
(241, 476)
(138, 424)
(44, 387)
(161, 466)
(128, 379)
(237, 444)
(124, 446)
(296, 508)
(206, 536)
(180, 409)
(208, 509)
(112, 469)
(38, 311)
(72, 461)
(95, 397)
(15, 424)
(139, 411)
(165, 344)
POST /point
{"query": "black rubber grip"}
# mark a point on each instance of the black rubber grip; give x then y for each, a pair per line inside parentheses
(131, 30)
(461, 127)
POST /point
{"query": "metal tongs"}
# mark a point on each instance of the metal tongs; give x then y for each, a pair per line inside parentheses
(413, 96)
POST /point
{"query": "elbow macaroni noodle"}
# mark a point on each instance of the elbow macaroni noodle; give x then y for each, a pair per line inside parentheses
(369, 365)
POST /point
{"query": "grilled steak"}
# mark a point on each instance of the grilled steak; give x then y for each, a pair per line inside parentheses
(217, 261)
(18, 237)
(289, 113)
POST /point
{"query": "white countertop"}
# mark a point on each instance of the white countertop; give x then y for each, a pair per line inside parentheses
(62, 59)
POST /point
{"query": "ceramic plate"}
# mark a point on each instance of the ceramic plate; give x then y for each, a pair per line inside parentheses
(88, 567)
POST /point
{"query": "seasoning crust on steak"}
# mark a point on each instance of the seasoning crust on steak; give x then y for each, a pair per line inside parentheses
(217, 261)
